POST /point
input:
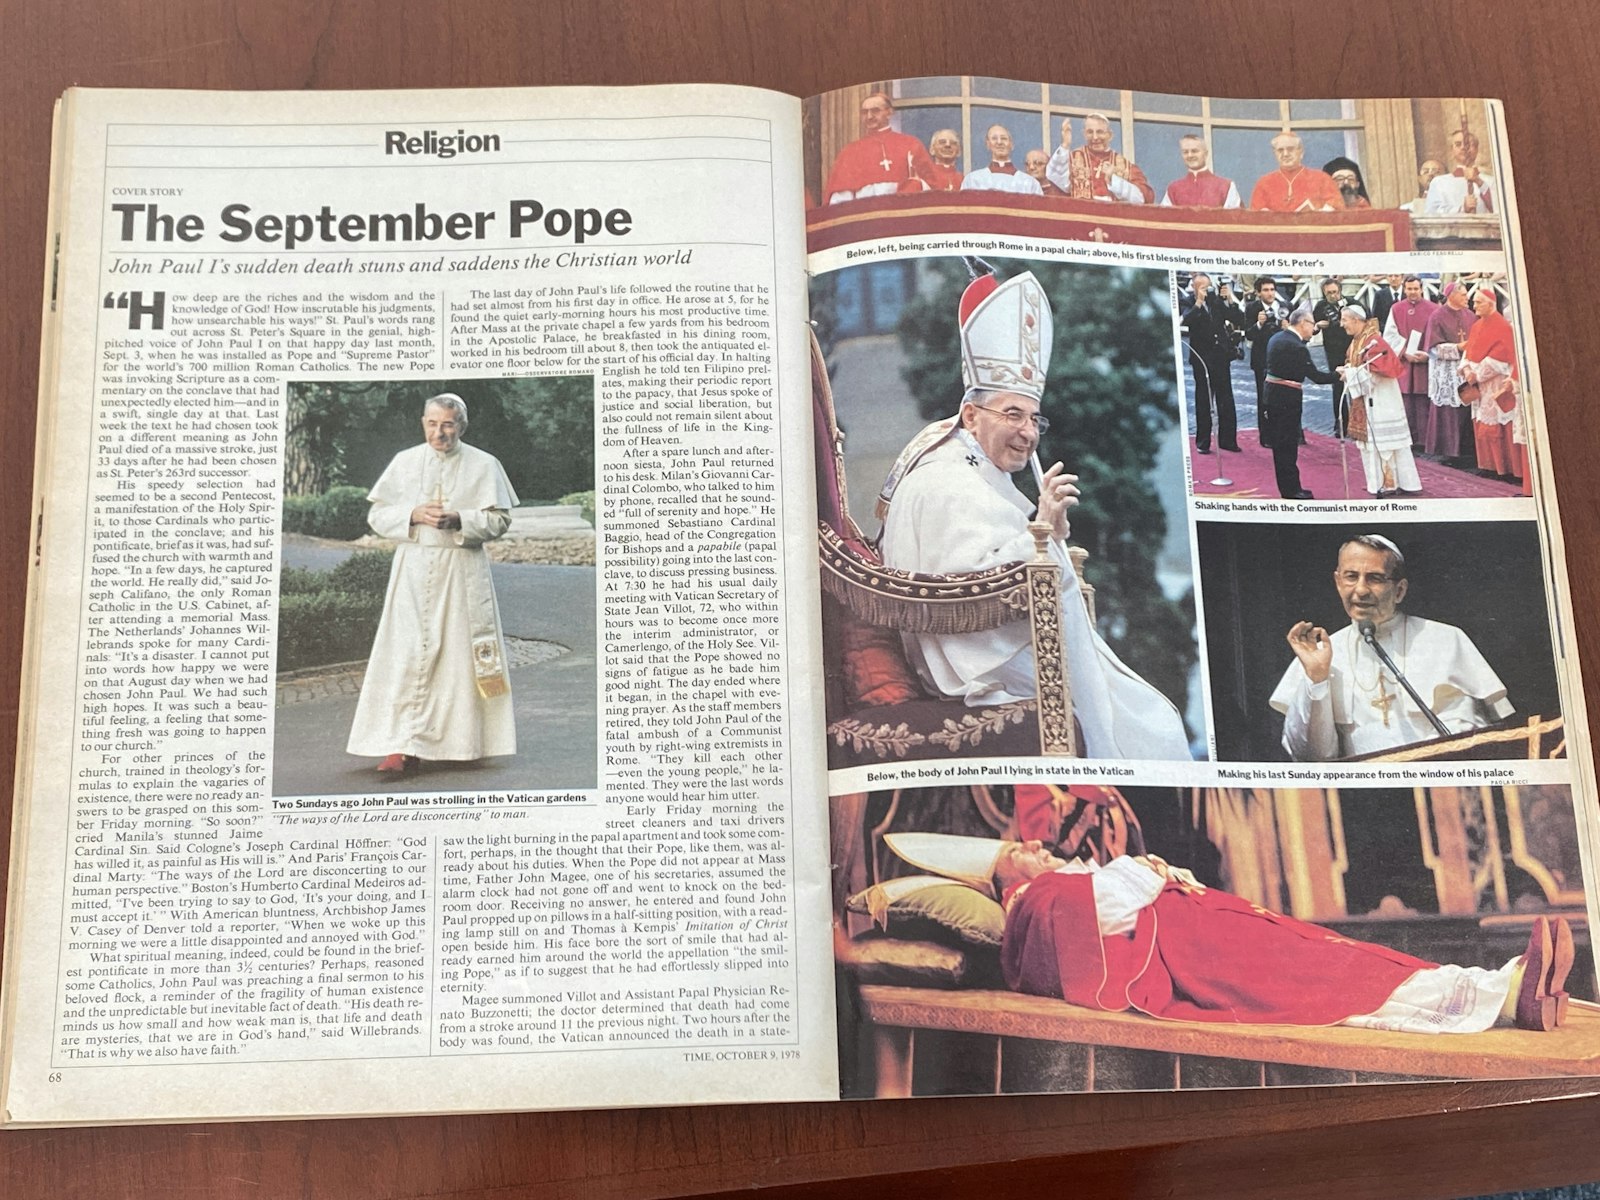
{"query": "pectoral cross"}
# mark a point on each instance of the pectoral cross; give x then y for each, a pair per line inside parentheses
(884, 161)
(1383, 700)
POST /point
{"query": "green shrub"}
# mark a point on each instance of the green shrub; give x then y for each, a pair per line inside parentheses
(297, 581)
(586, 499)
(341, 513)
(364, 573)
(299, 514)
(331, 616)
(325, 627)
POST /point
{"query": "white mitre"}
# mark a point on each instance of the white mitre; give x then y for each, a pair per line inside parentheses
(968, 860)
(1007, 331)
(1006, 334)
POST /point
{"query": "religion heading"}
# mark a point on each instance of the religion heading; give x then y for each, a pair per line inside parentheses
(147, 223)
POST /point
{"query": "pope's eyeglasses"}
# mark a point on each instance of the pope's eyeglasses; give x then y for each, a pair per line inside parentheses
(1016, 417)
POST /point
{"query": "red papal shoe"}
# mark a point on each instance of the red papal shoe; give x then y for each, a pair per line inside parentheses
(1536, 1007)
(1561, 956)
(396, 765)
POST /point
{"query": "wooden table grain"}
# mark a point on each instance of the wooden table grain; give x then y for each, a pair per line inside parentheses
(1401, 1141)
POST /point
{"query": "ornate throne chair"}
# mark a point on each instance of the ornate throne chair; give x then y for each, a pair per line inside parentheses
(878, 710)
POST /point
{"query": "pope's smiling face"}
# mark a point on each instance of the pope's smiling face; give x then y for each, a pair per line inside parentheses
(1003, 427)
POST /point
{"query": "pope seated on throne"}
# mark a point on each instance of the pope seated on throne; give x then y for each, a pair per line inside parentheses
(951, 512)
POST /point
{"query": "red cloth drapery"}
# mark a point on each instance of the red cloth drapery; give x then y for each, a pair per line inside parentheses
(1194, 956)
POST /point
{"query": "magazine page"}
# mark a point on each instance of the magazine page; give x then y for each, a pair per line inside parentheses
(1202, 706)
(420, 709)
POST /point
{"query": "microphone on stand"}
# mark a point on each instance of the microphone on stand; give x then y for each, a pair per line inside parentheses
(1369, 634)
(1221, 480)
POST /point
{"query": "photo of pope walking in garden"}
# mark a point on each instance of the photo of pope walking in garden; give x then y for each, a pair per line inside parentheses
(436, 627)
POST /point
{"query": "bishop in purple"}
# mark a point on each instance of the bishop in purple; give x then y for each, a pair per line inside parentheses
(1407, 332)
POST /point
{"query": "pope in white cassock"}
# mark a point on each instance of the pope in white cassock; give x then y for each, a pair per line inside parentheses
(949, 506)
(436, 686)
(1338, 698)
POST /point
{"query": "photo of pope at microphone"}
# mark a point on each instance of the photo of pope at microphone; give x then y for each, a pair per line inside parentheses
(1384, 641)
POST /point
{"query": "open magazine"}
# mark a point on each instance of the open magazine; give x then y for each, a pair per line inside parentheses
(681, 595)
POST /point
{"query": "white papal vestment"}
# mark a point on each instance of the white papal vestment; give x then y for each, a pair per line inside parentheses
(984, 180)
(1344, 714)
(956, 512)
(1386, 457)
(1448, 194)
(439, 647)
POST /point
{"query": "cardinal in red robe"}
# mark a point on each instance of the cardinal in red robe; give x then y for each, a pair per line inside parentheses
(1295, 187)
(881, 162)
(1489, 359)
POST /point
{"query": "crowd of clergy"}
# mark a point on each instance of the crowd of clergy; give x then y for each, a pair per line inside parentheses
(885, 162)
(1412, 375)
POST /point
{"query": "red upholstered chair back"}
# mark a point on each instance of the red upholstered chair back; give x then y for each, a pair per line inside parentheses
(832, 502)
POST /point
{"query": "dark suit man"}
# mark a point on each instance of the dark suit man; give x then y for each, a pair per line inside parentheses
(1263, 317)
(1289, 365)
(1206, 321)
(1383, 299)
(1335, 342)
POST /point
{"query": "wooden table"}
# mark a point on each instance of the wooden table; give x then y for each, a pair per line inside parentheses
(1403, 1141)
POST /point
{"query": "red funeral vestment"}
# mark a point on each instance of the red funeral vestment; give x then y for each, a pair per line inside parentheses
(1307, 188)
(1490, 340)
(886, 157)
(1193, 956)
(1089, 184)
(1199, 189)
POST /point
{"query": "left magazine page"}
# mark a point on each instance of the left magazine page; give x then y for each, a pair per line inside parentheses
(417, 711)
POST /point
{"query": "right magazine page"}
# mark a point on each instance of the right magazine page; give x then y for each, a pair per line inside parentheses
(1202, 706)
